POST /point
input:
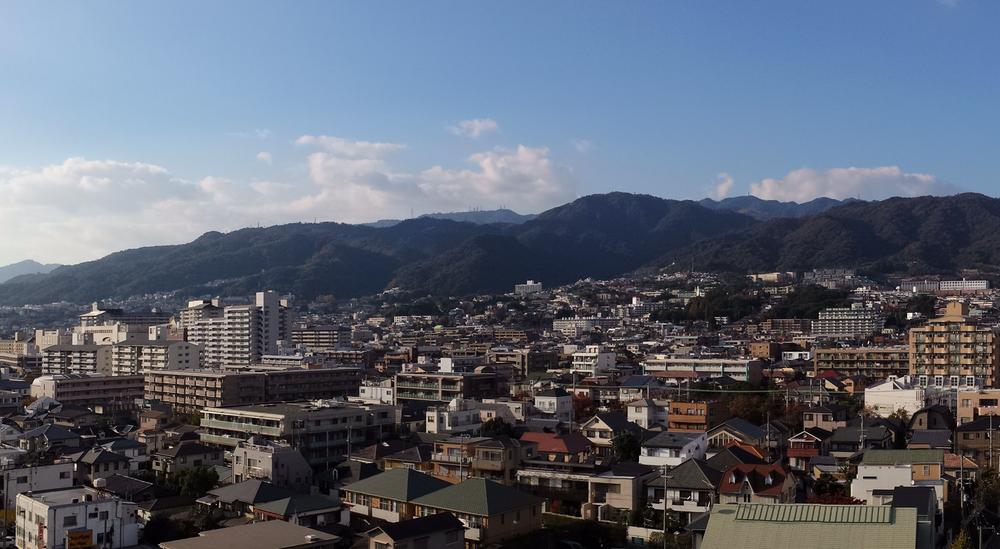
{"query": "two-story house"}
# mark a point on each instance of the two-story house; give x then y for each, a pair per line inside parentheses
(768, 483)
(389, 496)
(882, 470)
(670, 449)
(805, 445)
(604, 428)
(689, 490)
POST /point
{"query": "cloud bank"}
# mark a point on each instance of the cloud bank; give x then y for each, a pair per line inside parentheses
(867, 183)
(474, 128)
(82, 209)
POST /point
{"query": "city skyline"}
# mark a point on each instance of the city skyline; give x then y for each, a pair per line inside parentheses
(138, 125)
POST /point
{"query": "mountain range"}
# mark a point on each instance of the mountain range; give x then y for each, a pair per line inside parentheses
(595, 236)
(479, 217)
(26, 267)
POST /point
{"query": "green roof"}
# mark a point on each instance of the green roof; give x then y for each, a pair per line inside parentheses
(902, 457)
(793, 526)
(842, 514)
(480, 497)
(398, 484)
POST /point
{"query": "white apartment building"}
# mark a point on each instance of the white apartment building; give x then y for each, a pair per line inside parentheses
(376, 392)
(35, 478)
(133, 358)
(740, 369)
(555, 403)
(858, 320)
(648, 412)
(238, 334)
(88, 389)
(963, 285)
(573, 327)
(904, 393)
(76, 359)
(75, 517)
(528, 288)
(459, 416)
(594, 360)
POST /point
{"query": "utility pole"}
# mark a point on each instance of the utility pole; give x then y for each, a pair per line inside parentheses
(990, 436)
(666, 477)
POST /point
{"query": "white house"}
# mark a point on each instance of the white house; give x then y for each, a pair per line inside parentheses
(35, 478)
(648, 412)
(880, 471)
(672, 449)
(555, 403)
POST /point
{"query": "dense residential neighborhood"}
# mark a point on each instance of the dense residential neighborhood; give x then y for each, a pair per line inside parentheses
(679, 409)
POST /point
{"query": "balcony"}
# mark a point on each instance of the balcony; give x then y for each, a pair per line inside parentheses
(487, 464)
(447, 458)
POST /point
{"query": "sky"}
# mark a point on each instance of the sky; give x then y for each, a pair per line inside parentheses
(125, 124)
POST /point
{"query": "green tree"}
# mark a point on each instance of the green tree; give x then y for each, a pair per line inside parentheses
(626, 447)
(496, 427)
(902, 415)
(191, 482)
(161, 528)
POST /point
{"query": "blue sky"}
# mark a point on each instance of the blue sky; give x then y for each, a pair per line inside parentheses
(131, 123)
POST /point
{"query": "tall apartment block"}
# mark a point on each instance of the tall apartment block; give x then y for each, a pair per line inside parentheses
(954, 350)
(132, 358)
(237, 334)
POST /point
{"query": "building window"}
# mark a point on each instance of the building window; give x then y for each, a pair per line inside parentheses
(69, 520)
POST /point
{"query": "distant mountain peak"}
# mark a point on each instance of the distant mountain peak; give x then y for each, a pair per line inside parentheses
(479, 217)
(26, 267)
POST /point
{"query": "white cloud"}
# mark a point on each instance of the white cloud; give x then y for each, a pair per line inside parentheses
(869, 183)
(265, 157)
(81, 209)
(582, 146)
(474, 128)
(258, 133)
(723, 186)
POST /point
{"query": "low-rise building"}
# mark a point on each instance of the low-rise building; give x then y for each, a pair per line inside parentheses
(426, 388)
(441, 530)
(389, 496)
(323, 431)
(188, 454)
(75, 517)
(555, 403)
(272, 534)
(76, 359)
(768, 483)
(273, 461)
(88, 389)
(872, 362)
(491, 512)
(689, 490)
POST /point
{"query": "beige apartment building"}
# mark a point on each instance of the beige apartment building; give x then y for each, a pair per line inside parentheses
(324, 432)
(88, 389)
(954, 350)
(133, 358)
(76, 359)
(191, 390)
(871, 362)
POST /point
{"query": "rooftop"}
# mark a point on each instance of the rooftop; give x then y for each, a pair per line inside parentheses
(272, 534)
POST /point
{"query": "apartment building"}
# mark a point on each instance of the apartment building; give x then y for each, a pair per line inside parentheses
(975, 403)
(237, 334)
(574, 327)
(36, 478)
(323, 431)
(870, 362)
(190, 390)
(857, 321)
(555, 403)
(425, 388)
(20, 355)
(76, 359)
(694, 416)
(75, 517)
(88, 389)
(954, 350)
(672, 449)
(668, 366)
(136, 357)
(318, 339)
(594, 360)
(525, 360)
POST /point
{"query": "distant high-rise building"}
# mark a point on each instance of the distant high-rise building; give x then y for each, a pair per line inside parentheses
(854, 321)
(237, 334)
(528, 288)
(954, 350)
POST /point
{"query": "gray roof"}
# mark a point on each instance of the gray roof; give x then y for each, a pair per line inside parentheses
(480, 497)
(398, 485)
(669, 439)
(299, 503)
(693, 474)
(407, 529)
(250, 491)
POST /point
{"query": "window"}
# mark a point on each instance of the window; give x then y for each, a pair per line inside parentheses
(69, 520)
(22, 480)
(451, 537)
(104, 515)
(927, 470)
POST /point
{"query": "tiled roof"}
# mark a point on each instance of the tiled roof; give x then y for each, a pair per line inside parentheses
(902, 457)
(480, 497)
(841, 514)
(398, 484)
